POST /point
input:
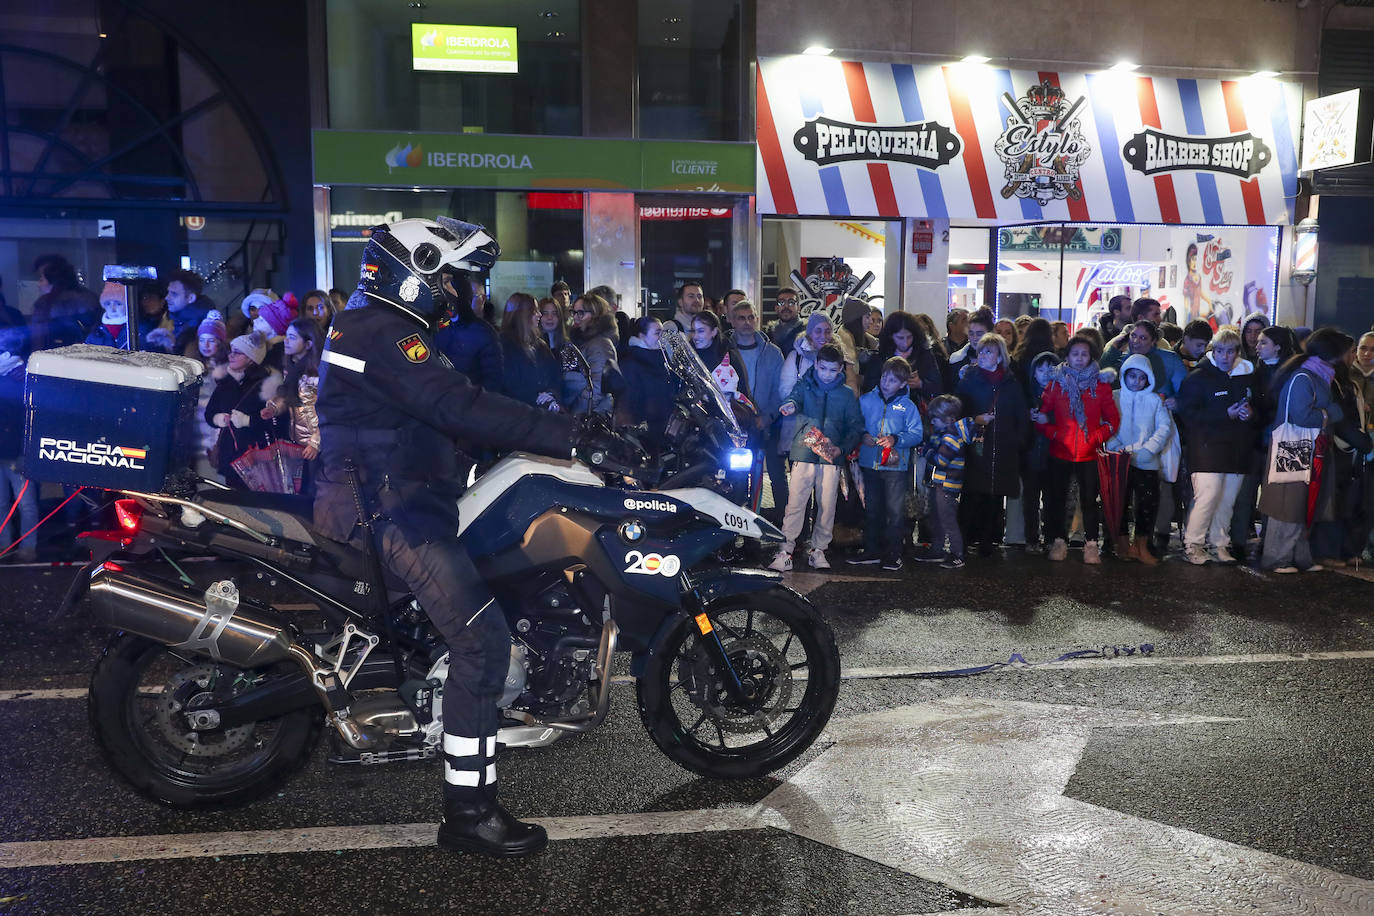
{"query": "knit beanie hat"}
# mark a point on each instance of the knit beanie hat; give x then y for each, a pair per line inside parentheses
(278, 314)
(113, 292)
(213, 326)
(257, 299)
(250, 345)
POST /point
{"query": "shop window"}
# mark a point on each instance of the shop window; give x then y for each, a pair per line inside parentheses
(692, 70)
(374, 83)
(683, 239)
(824, 259)
(968, 267)
(540, 234)
(1069, 272)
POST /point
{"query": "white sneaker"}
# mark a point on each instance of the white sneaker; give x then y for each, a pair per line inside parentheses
(1196, 554)
(1224, 555)
(782, 562)
(816, 558)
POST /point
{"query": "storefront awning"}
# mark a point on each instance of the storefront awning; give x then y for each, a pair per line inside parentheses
(845, 138)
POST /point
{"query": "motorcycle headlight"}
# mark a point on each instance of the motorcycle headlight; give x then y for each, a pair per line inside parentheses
(739, 459)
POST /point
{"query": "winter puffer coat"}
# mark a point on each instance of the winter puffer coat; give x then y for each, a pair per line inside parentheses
(1217, 442)
(995, 466)
(1146, 426)
(649, 390)
(835, 411)
(1068, 440)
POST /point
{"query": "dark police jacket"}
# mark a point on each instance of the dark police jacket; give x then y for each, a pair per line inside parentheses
(391, 402)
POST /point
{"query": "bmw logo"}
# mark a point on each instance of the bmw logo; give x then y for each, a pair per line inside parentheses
(631, 531)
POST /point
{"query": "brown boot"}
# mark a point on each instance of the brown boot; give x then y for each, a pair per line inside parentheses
(1140, 550)
(1121, 546)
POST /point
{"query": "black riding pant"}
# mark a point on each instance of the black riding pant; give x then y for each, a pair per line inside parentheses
(441, 575)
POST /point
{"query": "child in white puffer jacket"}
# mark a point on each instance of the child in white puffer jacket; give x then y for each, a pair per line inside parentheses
(1146, 432)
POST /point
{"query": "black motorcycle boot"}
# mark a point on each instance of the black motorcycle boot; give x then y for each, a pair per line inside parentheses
(483, 826)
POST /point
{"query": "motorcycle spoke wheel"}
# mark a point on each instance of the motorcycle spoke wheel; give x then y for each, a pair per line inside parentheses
(785, 659)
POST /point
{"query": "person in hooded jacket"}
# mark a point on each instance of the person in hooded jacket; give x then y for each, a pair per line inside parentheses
(236, 405)
(1146, 431)
(1216, 406)
(1250, 329)
(892, 428)
(997, 403)
(649, 386)
(1077, 414)
(1333, 539)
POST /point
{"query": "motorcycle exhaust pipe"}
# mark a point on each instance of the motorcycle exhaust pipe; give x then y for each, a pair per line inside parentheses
(215, 625)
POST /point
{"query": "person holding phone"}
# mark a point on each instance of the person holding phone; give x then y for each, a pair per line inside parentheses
(1216, 405)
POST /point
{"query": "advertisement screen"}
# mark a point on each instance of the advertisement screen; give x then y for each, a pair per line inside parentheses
(464, 48)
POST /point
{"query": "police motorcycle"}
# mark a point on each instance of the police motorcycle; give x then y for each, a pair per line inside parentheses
(210, 694)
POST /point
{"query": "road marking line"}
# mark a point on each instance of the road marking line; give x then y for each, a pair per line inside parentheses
(871, 674)
(96, 850)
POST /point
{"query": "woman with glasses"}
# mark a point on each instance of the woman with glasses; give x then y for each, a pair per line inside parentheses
(595, 334)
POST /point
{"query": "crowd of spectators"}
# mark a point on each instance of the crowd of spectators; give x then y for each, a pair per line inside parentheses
(942, 445)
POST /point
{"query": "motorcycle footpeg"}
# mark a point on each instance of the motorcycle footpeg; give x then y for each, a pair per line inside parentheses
(343, 755)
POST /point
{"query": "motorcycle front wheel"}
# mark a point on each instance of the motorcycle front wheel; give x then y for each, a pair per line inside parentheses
(140, 695)
(782, 648)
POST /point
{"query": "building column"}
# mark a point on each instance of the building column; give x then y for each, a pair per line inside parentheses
(610, 227)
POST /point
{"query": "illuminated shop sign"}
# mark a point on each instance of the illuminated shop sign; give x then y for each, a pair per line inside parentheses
(1336, 130)
(464, 48)
(852, 139)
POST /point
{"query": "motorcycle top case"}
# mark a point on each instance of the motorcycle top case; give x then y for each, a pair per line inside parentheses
(107, 418)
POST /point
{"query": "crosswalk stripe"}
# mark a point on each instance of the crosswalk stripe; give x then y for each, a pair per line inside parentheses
(96, 850)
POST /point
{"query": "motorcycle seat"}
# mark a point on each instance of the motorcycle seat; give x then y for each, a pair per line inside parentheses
(290, 517)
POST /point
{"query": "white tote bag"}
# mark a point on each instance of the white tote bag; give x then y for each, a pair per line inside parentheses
(1292, 447)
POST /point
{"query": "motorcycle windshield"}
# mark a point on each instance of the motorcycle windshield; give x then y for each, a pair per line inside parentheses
(683, 362)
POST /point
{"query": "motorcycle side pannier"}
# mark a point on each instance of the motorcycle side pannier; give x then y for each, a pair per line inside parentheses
(101, 417)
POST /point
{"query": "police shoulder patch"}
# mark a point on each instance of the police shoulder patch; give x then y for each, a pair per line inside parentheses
(414, 348)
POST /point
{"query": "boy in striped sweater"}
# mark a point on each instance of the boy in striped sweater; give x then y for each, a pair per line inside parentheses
(949, 441)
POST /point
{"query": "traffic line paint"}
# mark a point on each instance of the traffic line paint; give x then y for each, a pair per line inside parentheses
(101, 850)
(873, 674)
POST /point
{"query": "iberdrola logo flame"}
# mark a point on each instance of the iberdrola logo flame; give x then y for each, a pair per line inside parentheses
(429, 39)
(404, 157)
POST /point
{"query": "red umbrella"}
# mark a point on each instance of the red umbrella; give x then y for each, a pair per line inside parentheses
(1314, 483)
(1111, 476)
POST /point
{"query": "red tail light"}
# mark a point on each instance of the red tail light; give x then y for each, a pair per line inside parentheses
(130, 515)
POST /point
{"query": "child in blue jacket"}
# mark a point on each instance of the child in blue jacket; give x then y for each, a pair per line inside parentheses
(821, 402)
(892, 427)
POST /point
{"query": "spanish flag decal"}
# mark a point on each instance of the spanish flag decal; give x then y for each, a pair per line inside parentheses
(414, 348)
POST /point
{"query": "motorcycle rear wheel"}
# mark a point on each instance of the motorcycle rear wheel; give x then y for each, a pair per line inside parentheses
(772, 638)
(138, 693)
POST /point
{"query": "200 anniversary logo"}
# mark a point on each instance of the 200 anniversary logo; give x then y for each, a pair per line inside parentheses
(927, 144)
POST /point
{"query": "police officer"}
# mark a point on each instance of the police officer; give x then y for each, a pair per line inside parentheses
(391, 405)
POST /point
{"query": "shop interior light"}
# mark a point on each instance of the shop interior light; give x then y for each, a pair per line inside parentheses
(818, 50)
(1264, 75)
(1124, 66)
(975, 59)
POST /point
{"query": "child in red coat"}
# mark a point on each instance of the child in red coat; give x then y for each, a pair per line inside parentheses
(1077, 414)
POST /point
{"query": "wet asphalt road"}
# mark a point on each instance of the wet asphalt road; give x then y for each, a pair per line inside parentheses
(1229, 739)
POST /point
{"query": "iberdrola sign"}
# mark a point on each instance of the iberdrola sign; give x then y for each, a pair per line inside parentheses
(449, 160)
(464, 48)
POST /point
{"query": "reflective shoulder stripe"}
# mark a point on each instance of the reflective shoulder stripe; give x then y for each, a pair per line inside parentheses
(344, 362)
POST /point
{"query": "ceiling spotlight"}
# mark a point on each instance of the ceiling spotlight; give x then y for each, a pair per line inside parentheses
(819, 50)
(1264, 75)
(1124, 66)
(555, 34)
(672, 39)
(549, 14)
(672, 20)
(976, 59)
